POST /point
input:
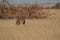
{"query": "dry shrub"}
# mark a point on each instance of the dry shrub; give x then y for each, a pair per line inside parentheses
(26, 11)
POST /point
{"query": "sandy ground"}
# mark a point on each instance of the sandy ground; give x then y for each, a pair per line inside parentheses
(42, 29)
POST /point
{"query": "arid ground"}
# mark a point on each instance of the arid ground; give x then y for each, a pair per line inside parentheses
(36, 29)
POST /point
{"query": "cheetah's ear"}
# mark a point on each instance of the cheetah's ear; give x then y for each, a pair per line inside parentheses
(17, 22)
(24, 22)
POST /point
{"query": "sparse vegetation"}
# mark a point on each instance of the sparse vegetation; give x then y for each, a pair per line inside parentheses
(57, 6)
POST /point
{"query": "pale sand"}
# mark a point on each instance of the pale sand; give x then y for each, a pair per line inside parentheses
(42, 29)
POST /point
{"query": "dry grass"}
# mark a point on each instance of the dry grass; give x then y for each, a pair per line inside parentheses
(37, 29)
